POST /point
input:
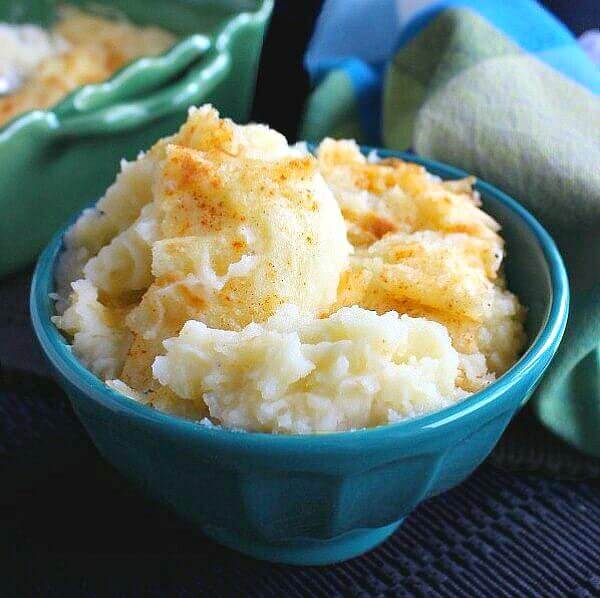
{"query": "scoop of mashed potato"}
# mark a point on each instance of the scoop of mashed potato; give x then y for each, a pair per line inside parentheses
(229, 277)
(219, 222)
(100, 339)
(299, 374)
(425, 247)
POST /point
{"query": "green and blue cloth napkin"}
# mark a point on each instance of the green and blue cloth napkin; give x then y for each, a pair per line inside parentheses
(502, 90)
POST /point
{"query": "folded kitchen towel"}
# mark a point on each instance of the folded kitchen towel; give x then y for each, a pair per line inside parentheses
(502, 90)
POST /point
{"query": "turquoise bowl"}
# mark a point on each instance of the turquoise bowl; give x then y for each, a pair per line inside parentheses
(329, 497)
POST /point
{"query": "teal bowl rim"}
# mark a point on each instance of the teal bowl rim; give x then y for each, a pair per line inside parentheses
(543, 346)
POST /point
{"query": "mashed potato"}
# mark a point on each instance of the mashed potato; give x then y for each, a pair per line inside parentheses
(220, 223)
(299, 374)
(424, 247)
(24, 47)
(228, 277)
(100, 339)
(82, 48)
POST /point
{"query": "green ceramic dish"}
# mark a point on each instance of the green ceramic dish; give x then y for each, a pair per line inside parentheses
(54, 162)
(317, 499)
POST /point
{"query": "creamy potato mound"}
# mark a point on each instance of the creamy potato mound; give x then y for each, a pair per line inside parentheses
(82, 48)
(231, 278)
(220, 223)
(424, 247)
(299, 374)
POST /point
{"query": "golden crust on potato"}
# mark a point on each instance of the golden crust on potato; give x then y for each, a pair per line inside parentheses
(240, 235)
(424, 247)
(377, 198)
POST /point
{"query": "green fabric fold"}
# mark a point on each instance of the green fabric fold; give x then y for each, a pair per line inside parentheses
(461, 92)
(333, 109)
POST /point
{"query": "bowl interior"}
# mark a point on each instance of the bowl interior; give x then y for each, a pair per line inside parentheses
(527, 272)
(534, 269)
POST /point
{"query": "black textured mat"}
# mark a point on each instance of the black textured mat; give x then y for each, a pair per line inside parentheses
(86, 533)
(527, 446)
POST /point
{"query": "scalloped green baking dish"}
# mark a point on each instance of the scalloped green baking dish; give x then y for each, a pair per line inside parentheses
(55, 161)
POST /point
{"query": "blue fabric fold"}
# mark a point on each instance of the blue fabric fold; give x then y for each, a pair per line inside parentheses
(360, 36)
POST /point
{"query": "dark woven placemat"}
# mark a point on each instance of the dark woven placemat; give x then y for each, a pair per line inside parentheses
(527, 446)
(70, 526)
(87, 533)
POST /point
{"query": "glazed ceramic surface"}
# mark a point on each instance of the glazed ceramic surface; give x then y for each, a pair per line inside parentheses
(317, 499)
(54, 162)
